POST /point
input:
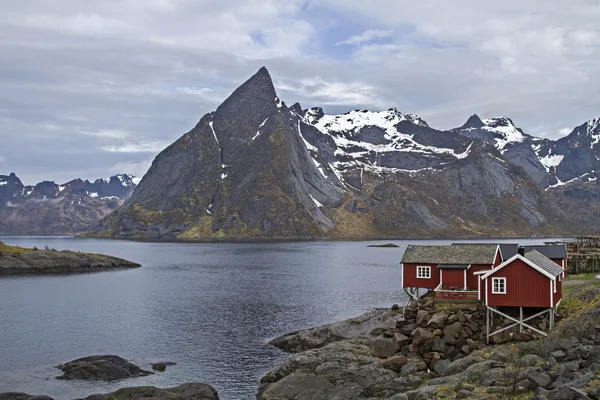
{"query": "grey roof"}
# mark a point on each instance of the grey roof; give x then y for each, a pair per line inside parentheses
(549, 250)
(544, 262)
(453, 266)
(455, 254)
(508, 250)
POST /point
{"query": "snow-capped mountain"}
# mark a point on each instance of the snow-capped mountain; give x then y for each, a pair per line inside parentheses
(550, 163)
(51, 208)
(256, 168)
(516, 146)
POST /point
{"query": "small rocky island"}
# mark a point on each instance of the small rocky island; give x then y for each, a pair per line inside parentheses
(18, 260)
(112, 367)
(439, 352)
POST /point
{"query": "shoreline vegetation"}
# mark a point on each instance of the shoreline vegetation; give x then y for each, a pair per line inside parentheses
(15, 260)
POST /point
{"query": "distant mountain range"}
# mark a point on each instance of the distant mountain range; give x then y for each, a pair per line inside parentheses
(256, 168)
(52, 209)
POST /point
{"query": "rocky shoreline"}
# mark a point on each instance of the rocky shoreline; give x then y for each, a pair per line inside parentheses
(18, 260)
(438, 352)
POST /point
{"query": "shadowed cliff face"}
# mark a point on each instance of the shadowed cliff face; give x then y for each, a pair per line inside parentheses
(255, 168)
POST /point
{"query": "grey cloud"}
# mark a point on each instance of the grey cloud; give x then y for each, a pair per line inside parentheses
(80, 79)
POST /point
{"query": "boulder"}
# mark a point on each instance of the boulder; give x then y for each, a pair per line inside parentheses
(540, 379)
(422, 315)
(440, 366)
(438, 319)
(394, 363)
(420, 336)
(162, 366)
(382, 347)
(558, 355)
(401, 339)
(438, 345)
(102, 368)
(454, 330)
(567, 393)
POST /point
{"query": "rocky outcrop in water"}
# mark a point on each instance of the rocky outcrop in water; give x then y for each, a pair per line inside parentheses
(17, 260)
(439, 353)
(59, 209)
(255, 168)
(100, 368)
(187, 391)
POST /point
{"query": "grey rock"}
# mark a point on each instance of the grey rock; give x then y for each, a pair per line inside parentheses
(438, 319)
(441, 365)
(382, 347)
(422, 316)
(187, 391)
(420, 336)
(104, 368)
(558, 355)
(394, 363)
(567, 393)
(540, 379)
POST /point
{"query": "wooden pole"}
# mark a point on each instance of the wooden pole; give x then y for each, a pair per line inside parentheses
(521, 319)
(487, 309)
(551, 318)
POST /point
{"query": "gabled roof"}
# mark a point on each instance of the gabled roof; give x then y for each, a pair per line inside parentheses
(507, 250)
(455, 254)
(544, 262)
(549, 250)
(549, 271)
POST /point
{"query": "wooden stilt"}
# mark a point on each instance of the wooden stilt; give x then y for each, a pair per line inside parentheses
(551, 318)
(488, 324)
(521, 319)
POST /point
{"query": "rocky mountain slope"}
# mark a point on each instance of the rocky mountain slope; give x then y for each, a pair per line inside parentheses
(256, 168)
(52, 209)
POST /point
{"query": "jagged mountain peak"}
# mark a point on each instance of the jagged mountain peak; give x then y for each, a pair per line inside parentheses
(473, 122)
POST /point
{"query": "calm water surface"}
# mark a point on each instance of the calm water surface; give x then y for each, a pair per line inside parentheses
(211, 308)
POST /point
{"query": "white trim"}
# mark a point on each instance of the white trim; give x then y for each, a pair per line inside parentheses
(426, 268)
(554, 285)
(526, 261)
(402, 265)
(558, 304)
(481, 272)
(441, 277)
(496, 255)
(551, 299)
(478, 289)
(501, 279)
(465, 280)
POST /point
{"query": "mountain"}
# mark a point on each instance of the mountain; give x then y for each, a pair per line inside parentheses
(549, 162)
(256, 168)
(516, 146)
(51, 209)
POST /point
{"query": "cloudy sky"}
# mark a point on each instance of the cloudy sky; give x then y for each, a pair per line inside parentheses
(90, 89)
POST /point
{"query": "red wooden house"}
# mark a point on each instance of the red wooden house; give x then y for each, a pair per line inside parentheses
(448, 270)
(501, 276)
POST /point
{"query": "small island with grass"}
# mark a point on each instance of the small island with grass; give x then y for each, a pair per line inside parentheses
(16, 260)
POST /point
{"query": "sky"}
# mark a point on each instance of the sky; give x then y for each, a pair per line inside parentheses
(92, 89)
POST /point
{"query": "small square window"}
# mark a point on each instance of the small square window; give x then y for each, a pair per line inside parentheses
(498, 285)
(423, 272)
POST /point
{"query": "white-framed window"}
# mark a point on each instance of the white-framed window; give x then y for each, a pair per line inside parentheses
(498, 285)
(423, 272)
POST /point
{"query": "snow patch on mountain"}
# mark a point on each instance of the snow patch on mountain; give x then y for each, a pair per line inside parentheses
(551, 160)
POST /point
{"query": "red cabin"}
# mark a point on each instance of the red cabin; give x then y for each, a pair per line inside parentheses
(532, 280)
(448, 270)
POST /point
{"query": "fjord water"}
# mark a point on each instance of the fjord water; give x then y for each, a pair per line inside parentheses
(209, 307)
